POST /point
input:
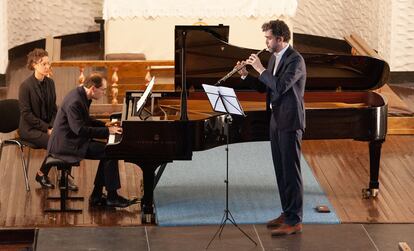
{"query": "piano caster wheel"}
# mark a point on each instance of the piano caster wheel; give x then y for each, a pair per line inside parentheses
(148, 218)
(368, 193)
(147, 214)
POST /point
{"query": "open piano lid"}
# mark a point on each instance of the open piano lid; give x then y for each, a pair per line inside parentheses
(209, 58)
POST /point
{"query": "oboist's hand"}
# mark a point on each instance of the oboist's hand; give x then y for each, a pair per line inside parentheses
(115, 130)
(254, 61)
(243, 71)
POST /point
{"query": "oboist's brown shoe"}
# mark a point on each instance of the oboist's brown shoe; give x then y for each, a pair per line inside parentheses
(276, 222)
(286, 229)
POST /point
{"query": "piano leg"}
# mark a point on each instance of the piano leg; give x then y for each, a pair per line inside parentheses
(147, 201)
(374, 165)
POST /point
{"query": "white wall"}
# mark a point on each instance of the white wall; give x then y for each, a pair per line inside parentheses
(31, 20)
(155, 37)
(385, 24)
(338, 18)
(3, 37)
(402, 35)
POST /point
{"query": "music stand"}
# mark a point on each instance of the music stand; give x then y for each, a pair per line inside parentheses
(224, 100)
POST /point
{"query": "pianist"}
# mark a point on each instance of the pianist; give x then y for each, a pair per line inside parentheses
(72, 140)
(284, 80)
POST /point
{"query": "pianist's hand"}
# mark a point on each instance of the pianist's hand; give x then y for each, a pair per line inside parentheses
(112, 123)
(243, 72)
(115, 130)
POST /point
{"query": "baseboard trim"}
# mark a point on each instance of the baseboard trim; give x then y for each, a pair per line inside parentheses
(14, 236)
(399, 77)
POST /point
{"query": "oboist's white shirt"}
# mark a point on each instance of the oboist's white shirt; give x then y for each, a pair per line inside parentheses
(279, 56)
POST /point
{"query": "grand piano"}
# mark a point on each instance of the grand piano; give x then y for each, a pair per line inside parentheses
(339, 105)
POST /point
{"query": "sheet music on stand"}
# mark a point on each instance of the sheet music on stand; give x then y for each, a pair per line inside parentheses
(141, 102)
(223, 99)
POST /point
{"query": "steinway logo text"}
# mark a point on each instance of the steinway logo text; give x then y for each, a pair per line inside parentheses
(158, 142)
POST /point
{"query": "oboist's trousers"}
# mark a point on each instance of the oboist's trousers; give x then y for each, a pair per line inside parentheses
(286, 154)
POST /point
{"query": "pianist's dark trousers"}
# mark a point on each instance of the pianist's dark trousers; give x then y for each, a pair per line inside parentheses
(286, 153)
(107, 174)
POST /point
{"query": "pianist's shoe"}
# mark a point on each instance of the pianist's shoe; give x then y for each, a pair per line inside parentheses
(44, 181)
(71, 184)
(119, 201)
(95, 201)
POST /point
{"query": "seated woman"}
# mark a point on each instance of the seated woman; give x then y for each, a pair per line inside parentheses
(37, 98)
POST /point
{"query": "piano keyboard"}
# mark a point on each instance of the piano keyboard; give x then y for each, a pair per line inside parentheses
(114, 138)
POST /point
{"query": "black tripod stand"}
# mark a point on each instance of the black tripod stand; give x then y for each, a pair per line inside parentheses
(227, 214)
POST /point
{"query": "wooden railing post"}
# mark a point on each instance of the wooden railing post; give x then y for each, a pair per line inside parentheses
(114, 86)
(148, 74)
(135, 74)
(81, 78)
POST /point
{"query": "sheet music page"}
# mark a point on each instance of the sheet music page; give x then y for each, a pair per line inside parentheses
(145, 95)
(214, 98)
(230, 100)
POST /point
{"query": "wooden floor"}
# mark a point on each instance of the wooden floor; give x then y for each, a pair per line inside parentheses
(19, 208)
(340, 166)
(342, 169)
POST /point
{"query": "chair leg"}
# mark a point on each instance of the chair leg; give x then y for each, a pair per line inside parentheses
(1, 148)
(28, 159)
(26, 179)
(63, 186)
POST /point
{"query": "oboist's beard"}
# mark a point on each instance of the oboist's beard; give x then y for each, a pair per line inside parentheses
(271, 50)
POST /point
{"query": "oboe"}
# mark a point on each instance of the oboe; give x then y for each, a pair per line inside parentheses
(236, 69)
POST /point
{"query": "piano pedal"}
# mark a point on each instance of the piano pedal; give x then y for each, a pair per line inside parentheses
(368, 193)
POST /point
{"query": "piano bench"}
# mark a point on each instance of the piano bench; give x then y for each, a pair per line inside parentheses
(64, 168)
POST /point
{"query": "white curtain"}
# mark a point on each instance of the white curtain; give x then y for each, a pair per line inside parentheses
(197, 8)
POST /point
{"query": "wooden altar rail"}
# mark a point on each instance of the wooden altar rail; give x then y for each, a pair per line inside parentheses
(127, 74)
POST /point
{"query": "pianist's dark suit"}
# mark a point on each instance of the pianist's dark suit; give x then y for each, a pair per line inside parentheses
(285, 92)
(72, 138)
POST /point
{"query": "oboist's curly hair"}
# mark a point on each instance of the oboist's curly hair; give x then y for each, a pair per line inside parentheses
(34, 56)
(279, 29)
